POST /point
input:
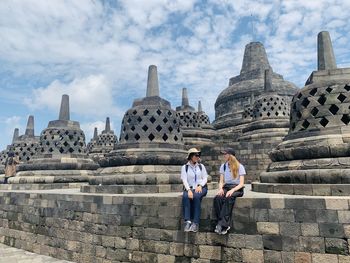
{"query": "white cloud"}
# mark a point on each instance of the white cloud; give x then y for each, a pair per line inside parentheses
(89, 127)
(90, 96)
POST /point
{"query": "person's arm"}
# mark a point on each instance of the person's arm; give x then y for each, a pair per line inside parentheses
(241, 173)
(184, 178)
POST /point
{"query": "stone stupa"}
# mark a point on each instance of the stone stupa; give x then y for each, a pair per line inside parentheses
(314, 158)
(61, 157)
(195, 125)
(150, 149)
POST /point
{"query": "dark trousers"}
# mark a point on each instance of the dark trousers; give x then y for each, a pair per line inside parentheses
(192, 207)
(223, 205)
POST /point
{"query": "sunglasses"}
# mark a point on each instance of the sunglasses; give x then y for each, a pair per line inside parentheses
(197, 155)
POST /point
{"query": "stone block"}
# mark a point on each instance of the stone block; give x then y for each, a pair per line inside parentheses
(309, 229)
(312, 244)
(232, 254)
(344, 259)
(166, 259)
(261, 215)
(290, 243)
(277, 203)
(344, 216)
(177, 249)
(290, 229)
(269, 228)
(281, 215)
(272, 256)
(253, 242)
(305, 216)
(337, 204)
(302, 257)
(337, 246)
(252, 256)
(324, 258)
(331, 230)
(272, 242)
(326, 216)
(236, 240)
(287, 257)
(210, 252)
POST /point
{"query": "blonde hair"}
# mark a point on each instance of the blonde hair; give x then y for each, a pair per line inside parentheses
(233, 163)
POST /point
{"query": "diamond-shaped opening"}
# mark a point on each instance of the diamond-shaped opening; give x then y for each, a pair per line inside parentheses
(305, 102)
(271, 99)
(305, 124)
(66, 143)
(268, 114)
(144, 127)
(65, 132)
(275, 103)
(137, 136)
(313, 92)
(126, 137)
(324, 122)
(133, 128)
(159, 112)
(152, 119)
(165, 137)
(139, 119)
(347, 87)
(284, 113)
(322, 99)
(299, 95)
(134, 112)
(268, 104)
(176, 138)
(329, 89)
(174, 121)
(159, 128)
(314, 111)
(170, 129)
(145, 112)
(169, 113)
(151, 137)
(165, 120)
(124, 128)
(345, 119)
(71, 150)
(276, 113)
(299, 114)
(129, 120)
(272, 108)
(70, 137)
(341, 97)
(47, 143)
(61, 150)
(264, 99)
(333, 109)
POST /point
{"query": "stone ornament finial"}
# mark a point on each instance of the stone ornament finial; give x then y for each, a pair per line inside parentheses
(108, 125)
(95, 133)
(152, 82)
(30, 127)
(200, 109)
(64, 110)
(254, 58)
(268, 80)
(15, 135)
(185, 101)
(325, 54)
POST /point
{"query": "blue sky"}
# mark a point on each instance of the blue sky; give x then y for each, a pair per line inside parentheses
(98, 52)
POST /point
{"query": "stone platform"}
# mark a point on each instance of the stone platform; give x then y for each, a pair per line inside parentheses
(15, 255)
(106, 228)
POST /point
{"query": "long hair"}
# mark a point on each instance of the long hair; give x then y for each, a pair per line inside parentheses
(233, 163)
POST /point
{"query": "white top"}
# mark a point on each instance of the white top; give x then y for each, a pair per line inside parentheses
(228, 177)
(194, 176)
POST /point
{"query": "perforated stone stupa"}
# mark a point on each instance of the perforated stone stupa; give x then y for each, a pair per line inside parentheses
(195, 125)
(231, 103)
(61, 155)
(102, 143)
(150, 148)
(314, 157)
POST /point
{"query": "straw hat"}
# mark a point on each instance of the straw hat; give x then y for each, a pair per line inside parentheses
(192, 150)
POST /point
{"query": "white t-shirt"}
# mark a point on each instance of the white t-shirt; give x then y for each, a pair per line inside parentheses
(194, 175)
(228, 177)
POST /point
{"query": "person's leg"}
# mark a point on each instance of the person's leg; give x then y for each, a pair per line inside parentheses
(197, 199)
(186, 206)
(5, 180)
(227, 207)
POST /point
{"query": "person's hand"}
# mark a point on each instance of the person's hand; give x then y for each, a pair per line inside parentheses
(190, 194)
(221, 192)
(229, 193)
(198, 189)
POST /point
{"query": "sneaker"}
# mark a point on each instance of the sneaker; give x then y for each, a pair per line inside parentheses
(224, 230)
(187, 226)
(194, 227)
(218, 229)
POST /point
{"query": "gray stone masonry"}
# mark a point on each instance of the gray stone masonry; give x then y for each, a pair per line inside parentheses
(148, 228)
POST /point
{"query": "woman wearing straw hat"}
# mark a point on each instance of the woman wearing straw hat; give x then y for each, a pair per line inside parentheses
(231, 186)
(194, 177)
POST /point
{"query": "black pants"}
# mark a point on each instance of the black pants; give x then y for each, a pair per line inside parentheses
(223, 205)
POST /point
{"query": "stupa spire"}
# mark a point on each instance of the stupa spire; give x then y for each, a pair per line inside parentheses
(64, 110)
(30, 126)
(325, 54)
(152, 82)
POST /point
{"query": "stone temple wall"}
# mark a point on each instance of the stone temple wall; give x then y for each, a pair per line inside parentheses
(95, 228)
